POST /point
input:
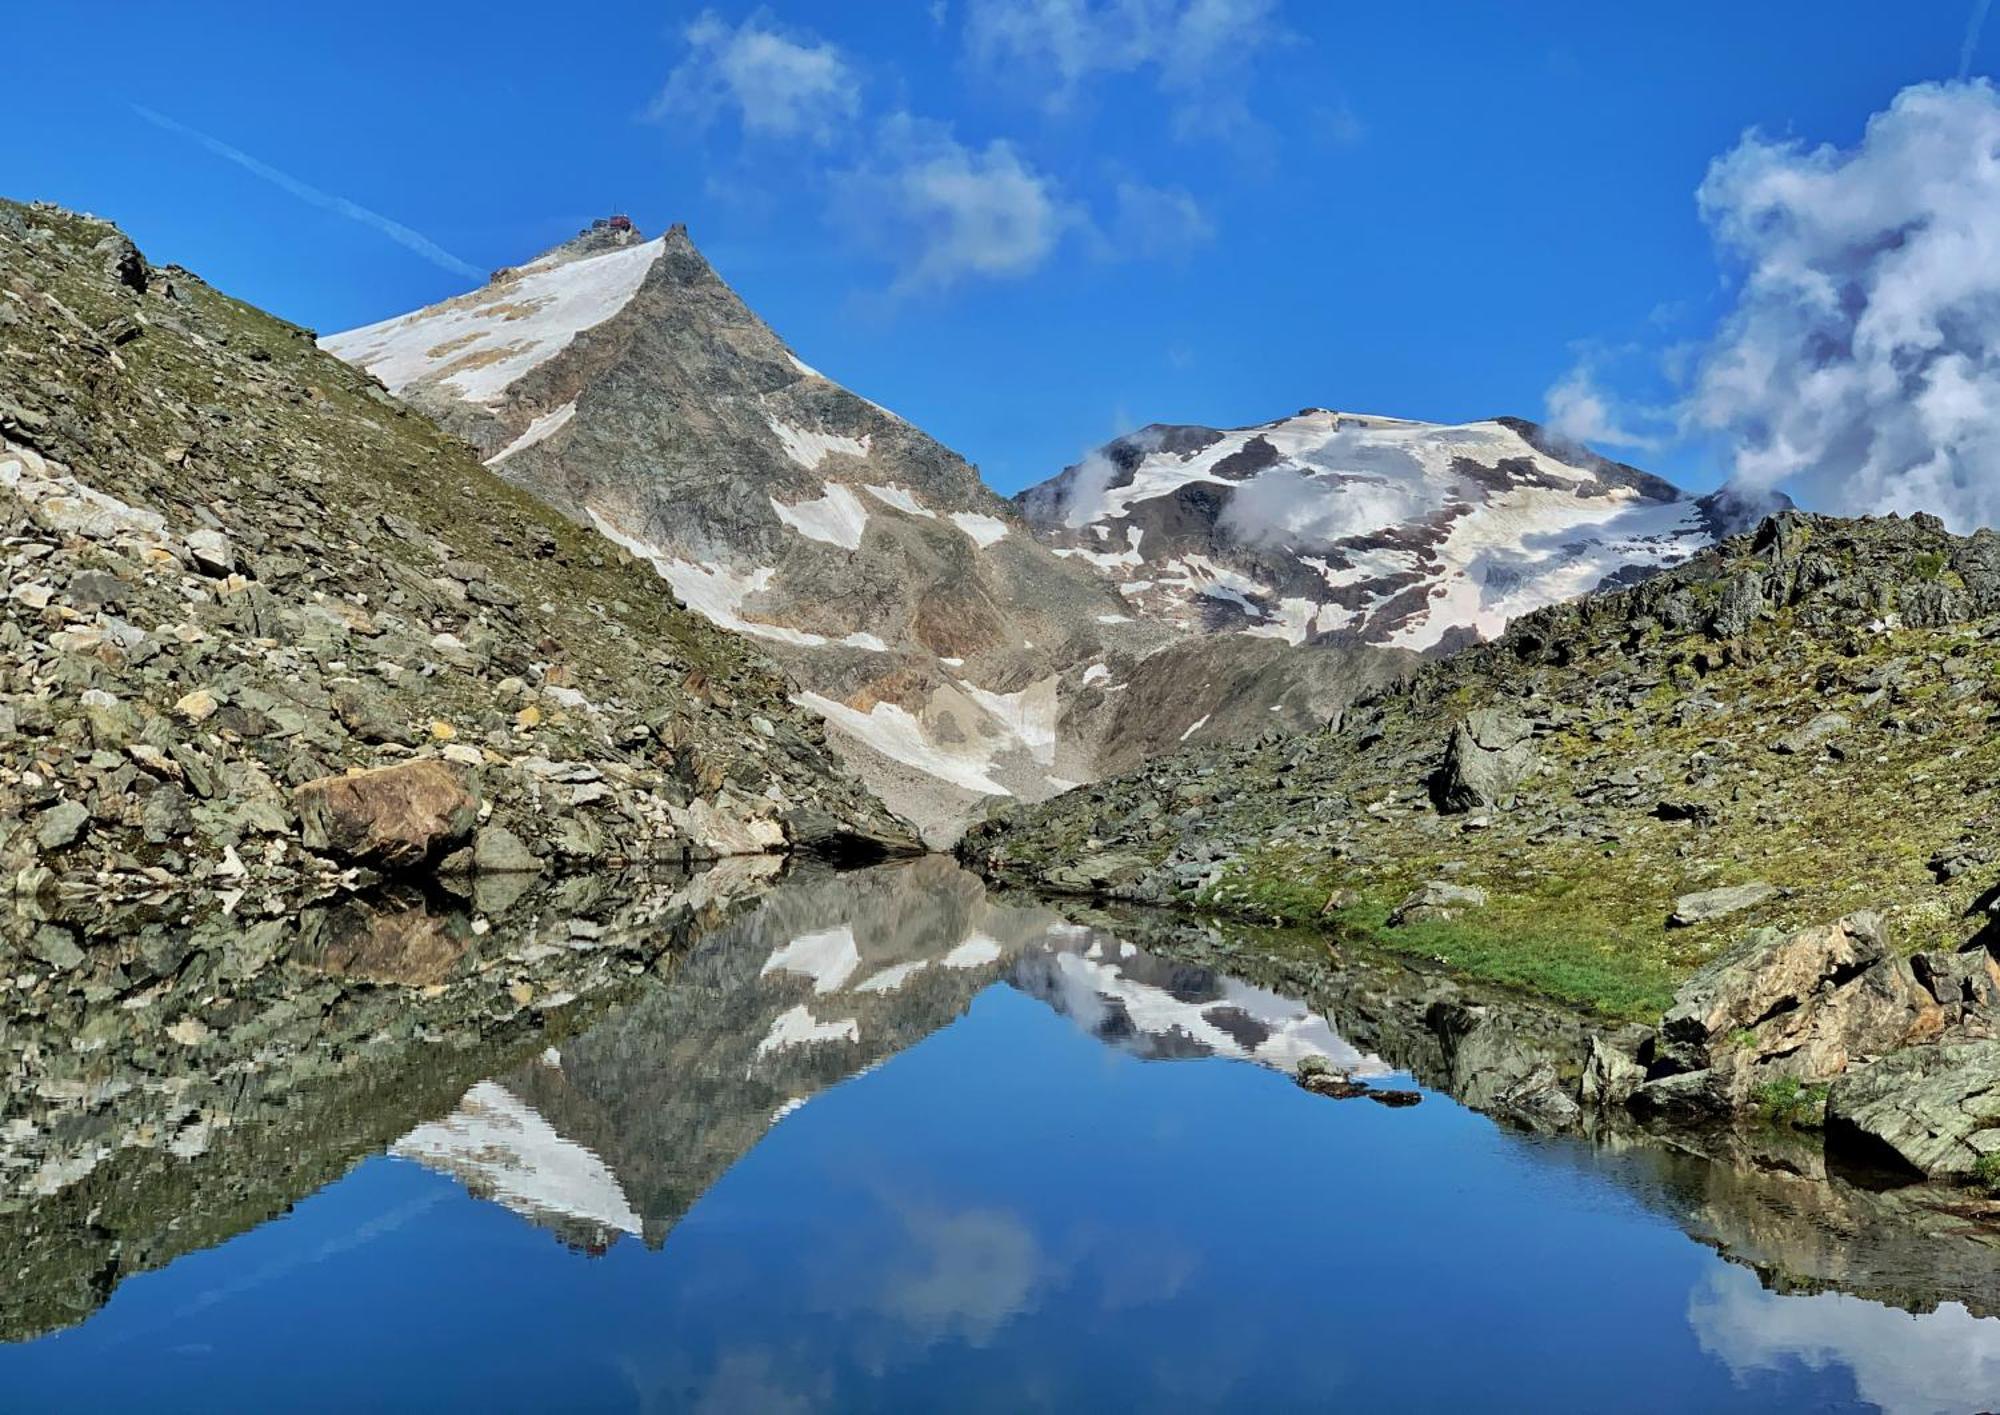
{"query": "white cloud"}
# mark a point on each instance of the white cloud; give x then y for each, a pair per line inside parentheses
(778, 85)
(1582, 411)
(945, 211)
(1861, 363)
(1197, 50)
(1157, 222)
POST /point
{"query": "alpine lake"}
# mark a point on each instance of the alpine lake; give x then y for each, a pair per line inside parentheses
(775, 1138)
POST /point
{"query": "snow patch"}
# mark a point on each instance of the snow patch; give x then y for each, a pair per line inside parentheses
(976, 952)
(985, 530)
(535, 431)
(899, 736)
(902, 498)
(809, 448)
(829, 957)
(837, 517)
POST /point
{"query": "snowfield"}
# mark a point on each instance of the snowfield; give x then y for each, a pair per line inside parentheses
(1327, 518)
(481, 343)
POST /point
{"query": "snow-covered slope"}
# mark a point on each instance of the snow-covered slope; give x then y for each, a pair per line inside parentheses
(1352, 528)
(621, 380)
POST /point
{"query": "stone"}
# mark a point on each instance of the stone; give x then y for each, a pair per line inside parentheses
(368, 716)
(1932, 1109)
(55, 947)
(497, 850)
(61, 825)
(1099, 872)
(1490, 753)
(198, 706)
(1822, 731)
(1438, 900)
(1708, 904)
(393, 817)
(211, 552)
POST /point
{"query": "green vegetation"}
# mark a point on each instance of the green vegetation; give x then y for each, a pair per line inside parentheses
(1788, 1102)
(1986, 1173)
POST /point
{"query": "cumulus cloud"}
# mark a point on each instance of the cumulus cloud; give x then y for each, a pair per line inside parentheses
(777, 84)
(1198, 51)
(944, 211)
(1860, 364)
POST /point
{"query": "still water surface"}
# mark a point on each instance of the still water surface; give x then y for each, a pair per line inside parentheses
(881, 1143)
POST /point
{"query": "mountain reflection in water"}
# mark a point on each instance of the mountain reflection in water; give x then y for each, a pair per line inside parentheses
(881, 1139)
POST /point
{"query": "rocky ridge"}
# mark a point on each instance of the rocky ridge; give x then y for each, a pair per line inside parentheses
(237, 569)
(1351, 529)
(1654, 801)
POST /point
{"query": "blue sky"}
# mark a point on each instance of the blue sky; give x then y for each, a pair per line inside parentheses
(1027, 225)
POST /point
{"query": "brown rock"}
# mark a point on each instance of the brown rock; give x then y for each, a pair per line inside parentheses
(394, 817)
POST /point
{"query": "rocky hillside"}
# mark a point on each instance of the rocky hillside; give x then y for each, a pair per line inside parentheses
(1354, 529)
(1659, 796)
(236, 569)
(623, 382)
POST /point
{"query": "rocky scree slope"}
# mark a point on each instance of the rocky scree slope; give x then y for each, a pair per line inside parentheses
(1653, 799)
(1351, 529)
(624, 382)
(235, 567)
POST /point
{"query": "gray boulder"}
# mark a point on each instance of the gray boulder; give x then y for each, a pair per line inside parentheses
(1707, 904)
(1489, 755)
(1935, 1109)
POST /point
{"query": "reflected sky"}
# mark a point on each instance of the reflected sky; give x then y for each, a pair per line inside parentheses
(1013, 1215)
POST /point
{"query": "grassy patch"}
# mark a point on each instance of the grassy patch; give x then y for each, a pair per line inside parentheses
(1788, 1101)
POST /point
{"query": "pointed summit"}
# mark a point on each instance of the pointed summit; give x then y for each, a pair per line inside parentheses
(625, 383)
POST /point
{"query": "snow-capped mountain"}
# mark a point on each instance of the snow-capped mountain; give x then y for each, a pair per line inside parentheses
(1347, 528)
(621, 380)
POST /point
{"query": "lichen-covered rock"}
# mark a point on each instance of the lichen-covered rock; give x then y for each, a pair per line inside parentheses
(393, 818)
(1708, 904)
(1935, 1109)
(1489, 755)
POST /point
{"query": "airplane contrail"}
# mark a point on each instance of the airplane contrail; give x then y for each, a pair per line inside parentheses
(396, 231)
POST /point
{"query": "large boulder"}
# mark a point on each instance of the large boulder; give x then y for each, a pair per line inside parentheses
(1802, 1006)
(1935, 1109)
(1490, 754)
(1439, 900)
(393, 818)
